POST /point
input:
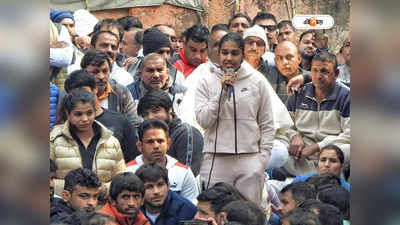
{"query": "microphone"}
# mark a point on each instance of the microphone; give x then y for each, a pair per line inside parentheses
(230, 71)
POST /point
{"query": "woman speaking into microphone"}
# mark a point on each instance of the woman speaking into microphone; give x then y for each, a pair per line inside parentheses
(233, 106)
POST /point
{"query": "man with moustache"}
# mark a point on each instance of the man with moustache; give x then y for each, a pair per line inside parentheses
(286, 31)
(238, 23)
(111, 95)
(287, 60)
(125, 200)
(154, 143)
(321, 114)
(194, 50)
(108, 42)
(307, 50)
(255, 43)
(154, 73)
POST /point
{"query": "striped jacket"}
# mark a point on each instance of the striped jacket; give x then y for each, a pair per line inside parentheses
(323, 123)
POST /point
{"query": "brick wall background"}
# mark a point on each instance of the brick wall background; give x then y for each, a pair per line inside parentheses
(219, 11)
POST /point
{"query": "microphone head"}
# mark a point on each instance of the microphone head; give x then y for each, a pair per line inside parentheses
(230, 70)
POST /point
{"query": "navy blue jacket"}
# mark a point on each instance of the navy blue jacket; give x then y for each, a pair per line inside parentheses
(53, 103)
(176, 208)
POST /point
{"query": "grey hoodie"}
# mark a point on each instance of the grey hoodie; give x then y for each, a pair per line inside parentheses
(255, 126)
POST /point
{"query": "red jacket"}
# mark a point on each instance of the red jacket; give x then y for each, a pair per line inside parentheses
(122, 219)
(183, 65)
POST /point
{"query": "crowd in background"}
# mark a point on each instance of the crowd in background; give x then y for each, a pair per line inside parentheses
(238, 123)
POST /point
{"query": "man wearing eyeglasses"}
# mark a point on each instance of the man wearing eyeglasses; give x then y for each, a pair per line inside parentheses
(255, 43)
(268, 22)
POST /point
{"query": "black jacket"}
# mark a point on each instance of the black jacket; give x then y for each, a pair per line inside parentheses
(187, 144)
(60, 212)
(124, 131)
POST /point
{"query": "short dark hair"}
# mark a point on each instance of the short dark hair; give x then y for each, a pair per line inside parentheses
(162, 24)
(53, 166)
(322, 181)
(125, 181)
(300, 216)
(109, 23)
(218, 27)
(338, 151)
(84, 217)
(329, 214)
(215, 28)
(304, 33)
(95, 57)
(245, 212)
(337, 196)
(153, 99)
(232, 36)
(152, 172)
(285, 23)
(96, 35)
(232, 189)
(309, 204)
(139, 36)
(264, 16)
(325, 56)
(196, 33)
(152, 124)
(218, 197)
(237, 15)
(322, 210)
(83, 177)
(76, 97)
(78, 79)
(128, 22)
(301, 191)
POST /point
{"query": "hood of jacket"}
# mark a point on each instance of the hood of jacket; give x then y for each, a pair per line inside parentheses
(60, 210)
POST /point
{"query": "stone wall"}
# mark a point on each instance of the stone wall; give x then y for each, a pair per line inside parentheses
(219, 11)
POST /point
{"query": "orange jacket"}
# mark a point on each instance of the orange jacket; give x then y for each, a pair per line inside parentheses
(122, 219)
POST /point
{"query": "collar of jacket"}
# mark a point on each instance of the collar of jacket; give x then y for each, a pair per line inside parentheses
(122, 219)
(165, 212)
(183, 58)
(310, 91)
(119, 217)
(105, 133)
(107, 92)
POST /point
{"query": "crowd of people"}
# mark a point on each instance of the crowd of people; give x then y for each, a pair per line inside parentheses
(239, 123)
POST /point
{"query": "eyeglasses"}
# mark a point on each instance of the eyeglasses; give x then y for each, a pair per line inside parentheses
(259, 43)
(268, 27)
